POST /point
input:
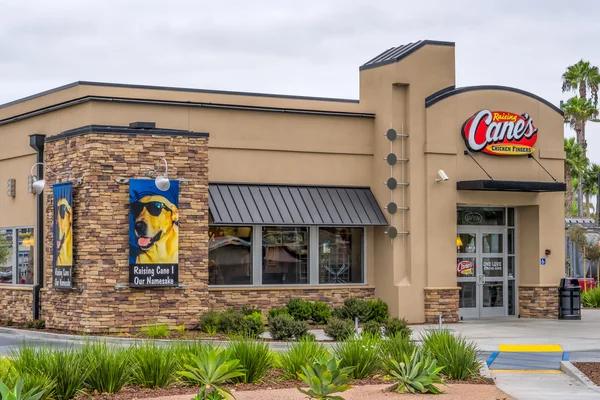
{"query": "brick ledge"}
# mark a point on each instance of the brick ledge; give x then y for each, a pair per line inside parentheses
(309, 287)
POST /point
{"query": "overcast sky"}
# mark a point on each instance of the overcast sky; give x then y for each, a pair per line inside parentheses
(304, 47)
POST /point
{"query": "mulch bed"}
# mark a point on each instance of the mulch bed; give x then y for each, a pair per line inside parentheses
(273, 380)
(590, 369)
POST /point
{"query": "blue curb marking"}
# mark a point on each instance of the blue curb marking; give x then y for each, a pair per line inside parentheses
(492, 357)
(565, 356)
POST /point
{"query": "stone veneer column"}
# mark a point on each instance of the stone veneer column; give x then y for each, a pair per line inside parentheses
(101, 229)
(538, 301)
(441, 301)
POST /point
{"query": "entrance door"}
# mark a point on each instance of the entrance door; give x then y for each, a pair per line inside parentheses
(481, 271)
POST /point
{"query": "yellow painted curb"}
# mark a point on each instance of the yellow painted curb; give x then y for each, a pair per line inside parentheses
(528, 371)
(530, 348)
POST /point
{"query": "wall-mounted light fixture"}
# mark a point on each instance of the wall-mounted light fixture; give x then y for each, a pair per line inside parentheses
(162, 181)
(10, 187)
(38, 185)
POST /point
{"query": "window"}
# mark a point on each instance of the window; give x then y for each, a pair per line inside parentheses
(230, 255)
(16, 256)
(285, 255)
(341, 255)
(480, 216)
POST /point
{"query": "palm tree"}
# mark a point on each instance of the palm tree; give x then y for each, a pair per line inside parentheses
(590, 187)
(577, 112)
(575, 165)
(580, 77)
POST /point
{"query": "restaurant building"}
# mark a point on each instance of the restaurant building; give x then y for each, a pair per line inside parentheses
(161, 203)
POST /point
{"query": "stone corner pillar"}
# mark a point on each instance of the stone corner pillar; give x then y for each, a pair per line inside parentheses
(538, 301)
(441, 300)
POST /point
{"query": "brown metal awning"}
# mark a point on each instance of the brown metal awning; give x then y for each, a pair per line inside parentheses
(511, 186)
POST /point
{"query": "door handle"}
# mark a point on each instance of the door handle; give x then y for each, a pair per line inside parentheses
(480, 279)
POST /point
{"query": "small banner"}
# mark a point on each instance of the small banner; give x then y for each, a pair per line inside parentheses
(62, 257)
(153, 234)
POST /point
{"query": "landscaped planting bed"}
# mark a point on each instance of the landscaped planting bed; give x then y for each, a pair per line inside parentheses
(152, 370)
(590, 369)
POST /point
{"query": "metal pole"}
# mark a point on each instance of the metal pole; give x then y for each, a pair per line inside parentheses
(584, 269)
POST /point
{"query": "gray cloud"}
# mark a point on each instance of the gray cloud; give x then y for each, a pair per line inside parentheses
(295, 47)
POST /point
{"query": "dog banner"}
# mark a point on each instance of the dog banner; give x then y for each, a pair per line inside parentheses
(153, 234)
(62, 255)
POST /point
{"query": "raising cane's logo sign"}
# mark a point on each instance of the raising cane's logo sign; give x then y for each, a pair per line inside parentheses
(500, 133)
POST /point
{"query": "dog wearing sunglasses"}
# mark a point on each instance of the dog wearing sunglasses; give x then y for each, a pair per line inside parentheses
(64, 241)
(156, 230)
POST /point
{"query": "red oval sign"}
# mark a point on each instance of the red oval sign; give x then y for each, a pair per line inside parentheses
(500, 133)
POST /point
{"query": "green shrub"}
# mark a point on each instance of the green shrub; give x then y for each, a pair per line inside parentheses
(305, 351)
(273, 312)
(18, 393)
(320, 312)
(249, 310)
(361, 352)
(395, 347)
(308, 336)
(210, 370)
(415, 374)
(283, 327)
(457, 355)
(231, 322)
(325, 378)
(299, 309)
(378, 310)
(153, 365)
(254, 324)
(209, 322)
(110, 368)
(255, 358)
(354, 308)
(67, 368)
(591, 298)
(36, 324)
(372, 328)
(155, 331)
(339, 329)
(395, 326)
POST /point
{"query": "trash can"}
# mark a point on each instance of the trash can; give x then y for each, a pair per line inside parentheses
(569, 299)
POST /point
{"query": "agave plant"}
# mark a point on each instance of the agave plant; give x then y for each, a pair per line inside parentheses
(324, 378)
(17, 392)
(210, 371)
(417, 374)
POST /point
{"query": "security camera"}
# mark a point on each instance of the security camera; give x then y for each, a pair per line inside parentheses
(442, 176)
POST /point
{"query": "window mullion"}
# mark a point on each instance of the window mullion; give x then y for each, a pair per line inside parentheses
(257, 255)
(313, 254)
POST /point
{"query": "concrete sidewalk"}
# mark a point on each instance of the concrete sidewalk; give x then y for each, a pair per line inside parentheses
(543, 387)
(489, 333)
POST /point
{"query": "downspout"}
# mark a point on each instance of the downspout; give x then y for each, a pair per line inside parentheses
(36, 141)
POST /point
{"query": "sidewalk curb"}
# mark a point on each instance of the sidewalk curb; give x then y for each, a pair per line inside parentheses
(80, 339)
(570, 370)
(485, 371)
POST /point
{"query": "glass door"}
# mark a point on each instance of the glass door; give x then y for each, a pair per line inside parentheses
(467, 270)
(481, 271)
(492, 277)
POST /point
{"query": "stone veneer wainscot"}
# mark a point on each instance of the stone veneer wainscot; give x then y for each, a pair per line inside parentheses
(538, 301)
(441, 301)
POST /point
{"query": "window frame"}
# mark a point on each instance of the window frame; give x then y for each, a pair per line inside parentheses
(313, 258)
(15, 256)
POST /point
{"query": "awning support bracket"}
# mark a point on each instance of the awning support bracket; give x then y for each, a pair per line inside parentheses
(467, 153)
(540, 164)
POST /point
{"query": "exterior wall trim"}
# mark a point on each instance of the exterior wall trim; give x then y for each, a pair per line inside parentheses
(451, 91)
(175, 89)
(122, 130)
(410, 48)
(86, 99)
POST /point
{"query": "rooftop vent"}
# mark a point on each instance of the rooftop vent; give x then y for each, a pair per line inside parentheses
(142, 125)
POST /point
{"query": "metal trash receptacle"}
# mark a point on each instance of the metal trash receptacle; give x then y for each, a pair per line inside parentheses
(569, 299)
